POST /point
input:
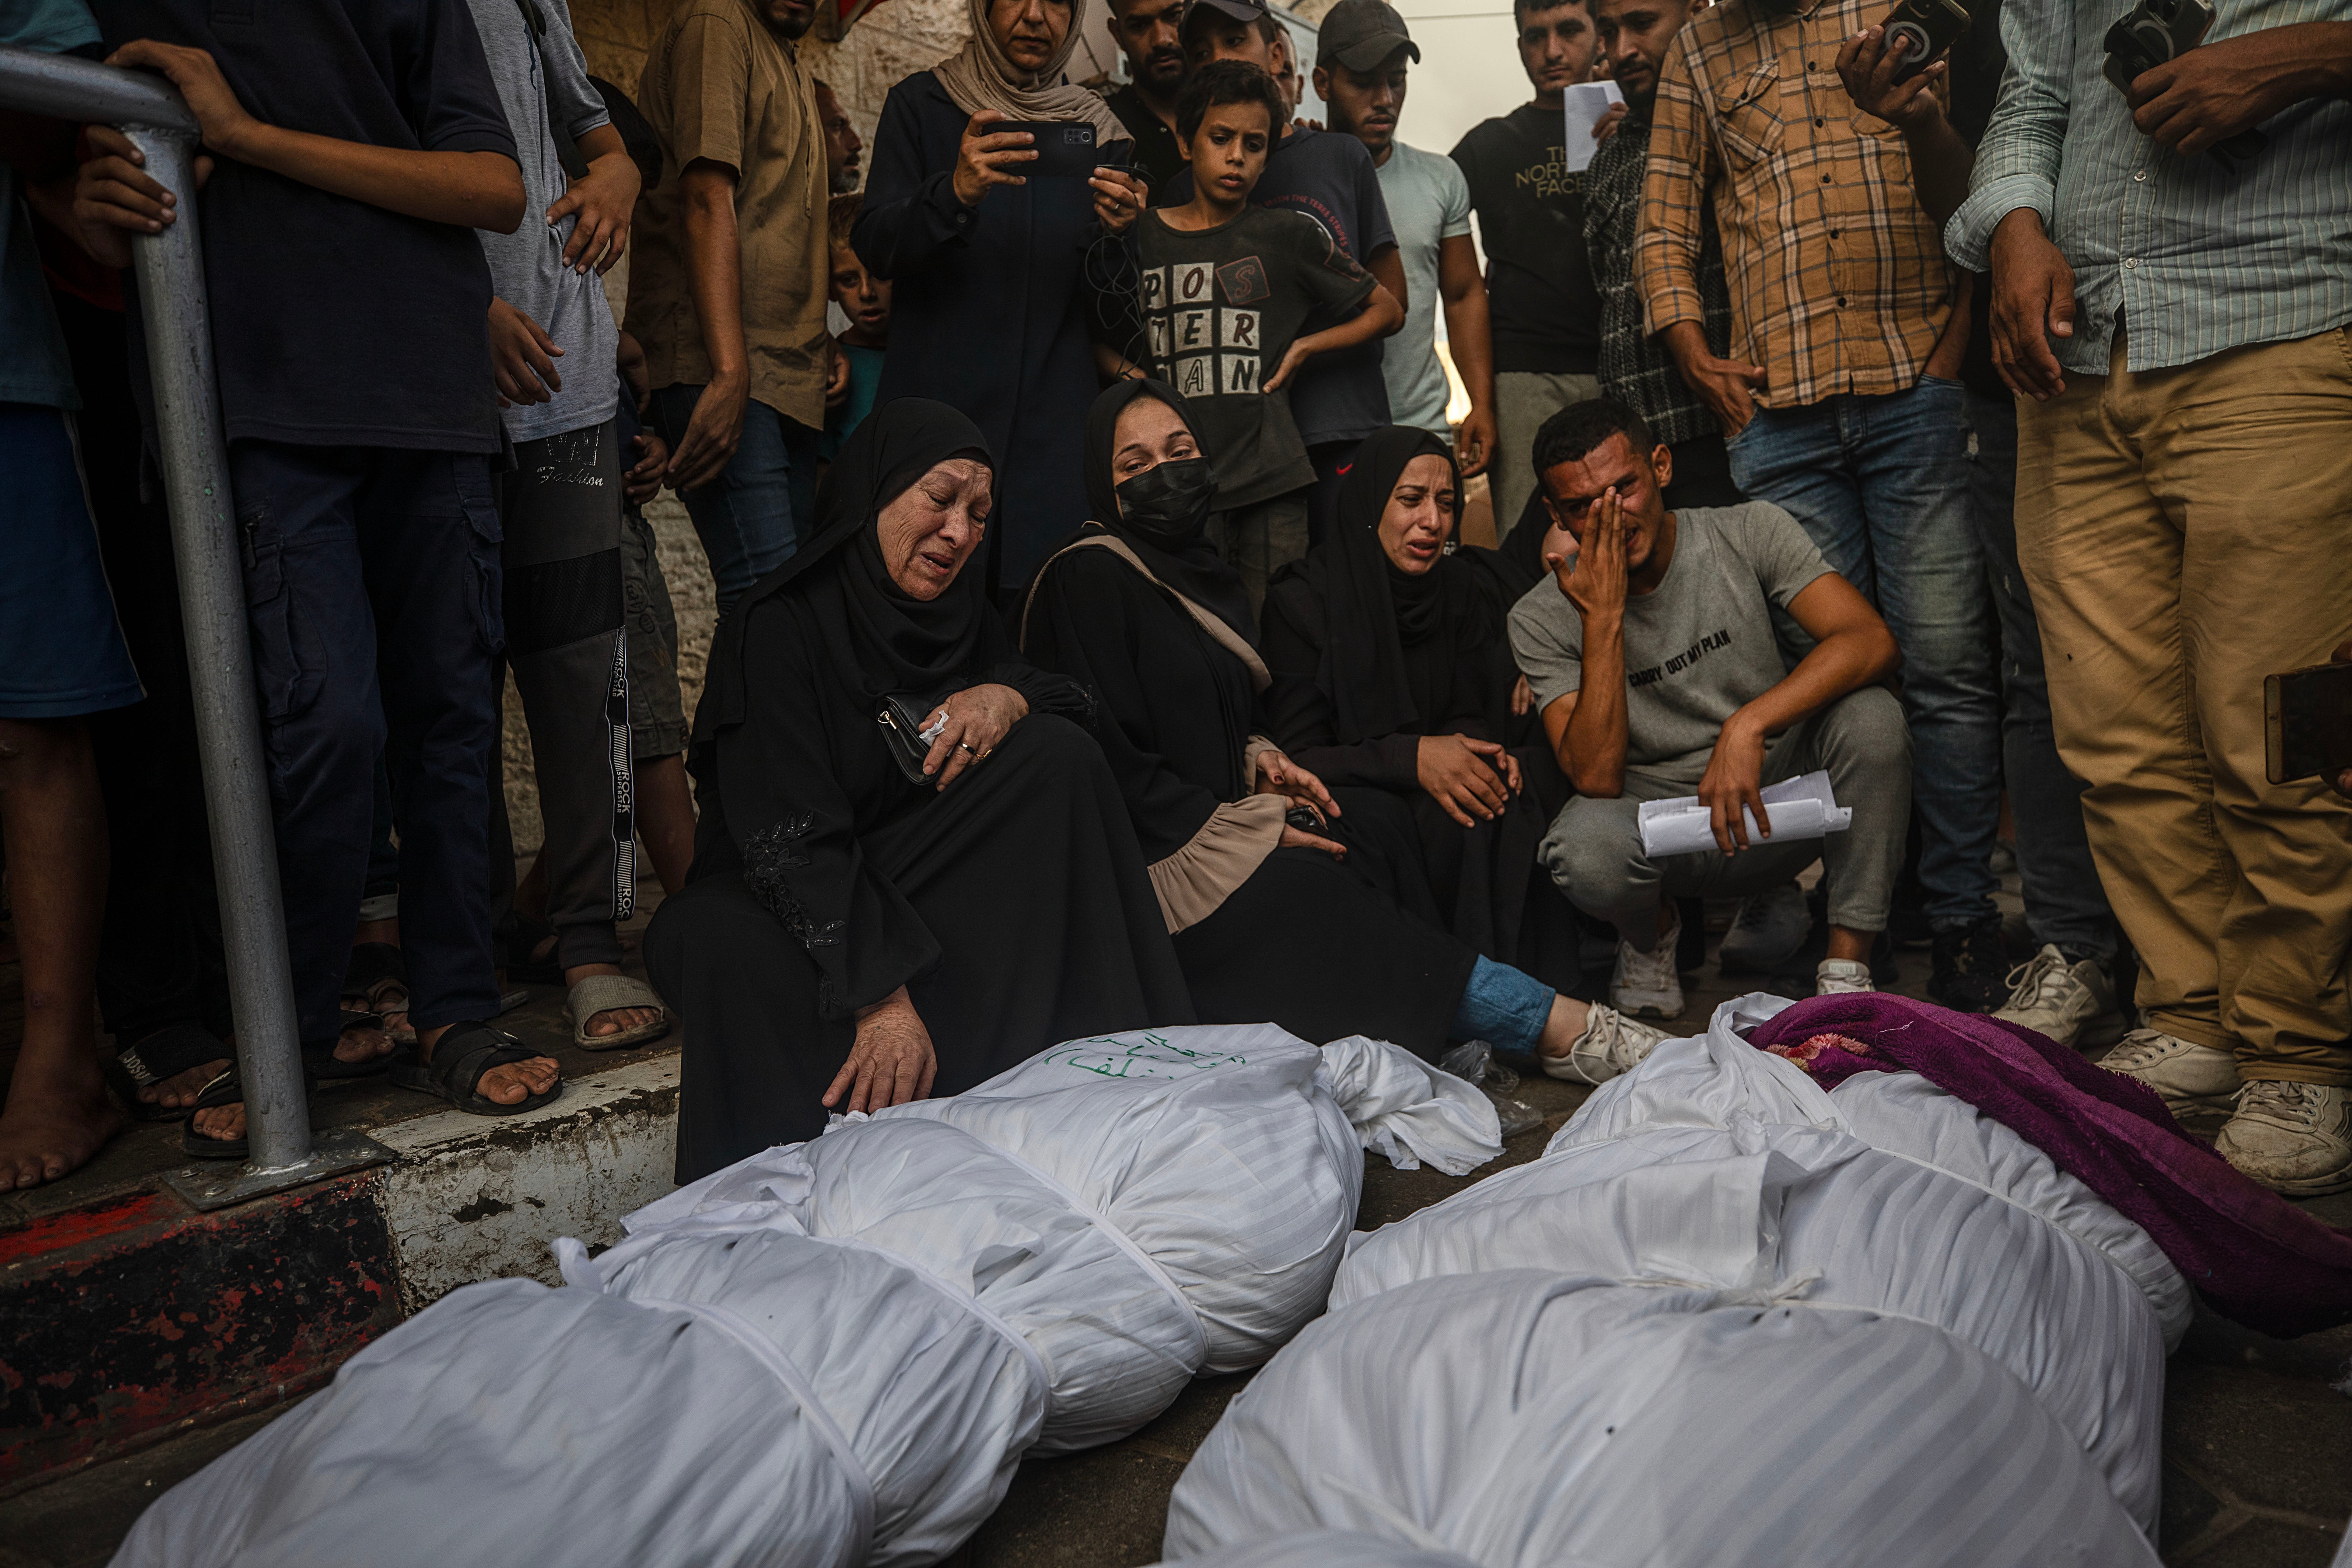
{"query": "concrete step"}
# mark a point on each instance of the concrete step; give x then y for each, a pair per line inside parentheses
(126, 1317)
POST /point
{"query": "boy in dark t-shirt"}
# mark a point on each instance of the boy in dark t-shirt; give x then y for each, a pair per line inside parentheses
(1228, 292)
(359, 147)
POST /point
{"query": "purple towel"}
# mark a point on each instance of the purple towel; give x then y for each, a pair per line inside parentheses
(2254, 1256)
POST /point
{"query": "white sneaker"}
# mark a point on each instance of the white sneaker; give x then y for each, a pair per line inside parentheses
(1841, 977)
(1612, 1044)
(1767, 930)
(2071, 1003)
(1646, 985)
(2195, 1081)
(2293, 1138)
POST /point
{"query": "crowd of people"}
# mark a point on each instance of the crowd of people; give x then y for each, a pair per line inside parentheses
(1107, 633)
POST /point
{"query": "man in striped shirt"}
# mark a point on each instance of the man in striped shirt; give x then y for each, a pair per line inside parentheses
(1840, 398)
(2176, 327)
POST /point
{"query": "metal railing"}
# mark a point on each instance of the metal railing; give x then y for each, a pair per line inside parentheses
(177, 321)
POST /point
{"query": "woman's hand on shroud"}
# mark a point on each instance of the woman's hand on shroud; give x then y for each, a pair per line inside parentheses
(978, 718)
(892, 1061)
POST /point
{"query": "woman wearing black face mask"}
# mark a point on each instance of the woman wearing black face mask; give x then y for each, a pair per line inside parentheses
(1268, 921)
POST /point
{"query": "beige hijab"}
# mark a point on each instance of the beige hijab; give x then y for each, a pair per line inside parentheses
(980, 76)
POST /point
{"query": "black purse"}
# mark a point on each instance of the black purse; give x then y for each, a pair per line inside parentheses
(902, 717)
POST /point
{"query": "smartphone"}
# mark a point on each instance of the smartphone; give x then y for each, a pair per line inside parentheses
(2308, 723)
(1932, 26)
(1066, 148)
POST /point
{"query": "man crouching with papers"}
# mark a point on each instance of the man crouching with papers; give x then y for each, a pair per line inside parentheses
(1651, 654)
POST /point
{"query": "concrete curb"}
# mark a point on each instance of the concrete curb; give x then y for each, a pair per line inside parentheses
(134, 1319)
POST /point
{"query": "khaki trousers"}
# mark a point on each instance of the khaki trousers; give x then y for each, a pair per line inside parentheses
(2186, 532)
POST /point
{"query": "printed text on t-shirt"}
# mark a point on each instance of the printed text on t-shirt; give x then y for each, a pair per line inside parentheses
(1206, 346)
(1681, 661)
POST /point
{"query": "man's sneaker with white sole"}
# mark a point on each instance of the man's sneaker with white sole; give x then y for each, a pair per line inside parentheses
(2293, 1138)
(2072, 1002)
(1767, 930)
(1612, 1044)
(2195, 1081)
(1841, 977)
(1646, 985)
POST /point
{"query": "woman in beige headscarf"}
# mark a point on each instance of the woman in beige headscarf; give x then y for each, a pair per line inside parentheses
(1002, 281)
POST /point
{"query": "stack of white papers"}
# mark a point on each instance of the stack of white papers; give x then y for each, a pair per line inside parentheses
(1799, 808)
(1587, 103)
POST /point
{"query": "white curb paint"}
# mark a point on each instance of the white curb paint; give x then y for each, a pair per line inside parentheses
(474, 1197)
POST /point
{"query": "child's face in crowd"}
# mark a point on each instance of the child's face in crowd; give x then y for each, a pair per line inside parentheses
(1569, 490)
(1215, 36)
(1420, 515)
(1366, 103)
(862, 297)
(1228, 151)
(1556, 47)
(1030, 31)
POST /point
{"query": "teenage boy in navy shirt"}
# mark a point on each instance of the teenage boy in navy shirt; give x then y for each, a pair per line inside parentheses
(355, 147)
(1328, 175)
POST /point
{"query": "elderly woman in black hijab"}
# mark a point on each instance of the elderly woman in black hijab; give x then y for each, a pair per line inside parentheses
(871, 918)
(1392, 674)
(1268, 922)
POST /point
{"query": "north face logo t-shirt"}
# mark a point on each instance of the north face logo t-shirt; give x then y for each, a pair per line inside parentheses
(1221, 307)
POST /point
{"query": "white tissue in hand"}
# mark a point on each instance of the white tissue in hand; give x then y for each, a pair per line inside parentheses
(1799, 808)
(931, 732)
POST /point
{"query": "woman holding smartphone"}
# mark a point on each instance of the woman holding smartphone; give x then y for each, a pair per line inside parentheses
(993, 291)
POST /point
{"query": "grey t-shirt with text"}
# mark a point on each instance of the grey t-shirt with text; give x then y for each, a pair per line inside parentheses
(1698, 648)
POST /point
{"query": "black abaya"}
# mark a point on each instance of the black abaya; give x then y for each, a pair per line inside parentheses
(1367, 660)
(1014, 905)
(1303, 942)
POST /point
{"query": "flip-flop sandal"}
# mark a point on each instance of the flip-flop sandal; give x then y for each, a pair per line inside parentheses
(608, 994)
(325, 1066)
(460, 1057)
(167, 1053)
(225, 1088)
(530, 936)
(376, 971)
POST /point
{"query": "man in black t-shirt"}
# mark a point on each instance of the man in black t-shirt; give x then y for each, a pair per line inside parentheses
(1544, 311)
(1328, 176)
(1145, 31)
(361, 420)
(2067, 991)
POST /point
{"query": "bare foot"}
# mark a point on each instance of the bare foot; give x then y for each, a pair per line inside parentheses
(51, 1128)
(181, 1088)
(366, 1043)
(612, 1020)
(510, 1083)
(224, 1122)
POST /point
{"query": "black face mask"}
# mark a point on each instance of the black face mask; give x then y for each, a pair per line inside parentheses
(1169, 505)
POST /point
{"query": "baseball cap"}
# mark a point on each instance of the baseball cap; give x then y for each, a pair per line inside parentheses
(1239, 10)
(1360, 34)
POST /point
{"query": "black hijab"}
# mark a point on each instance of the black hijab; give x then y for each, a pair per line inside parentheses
(1187, 562)
(1371, 611)
(882, 638)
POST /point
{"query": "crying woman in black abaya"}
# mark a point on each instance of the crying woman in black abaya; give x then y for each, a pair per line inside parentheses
(864, 926)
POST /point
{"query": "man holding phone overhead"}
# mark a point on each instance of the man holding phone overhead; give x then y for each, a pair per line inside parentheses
(1839, 400)
(2176, 329)
(1000, 276)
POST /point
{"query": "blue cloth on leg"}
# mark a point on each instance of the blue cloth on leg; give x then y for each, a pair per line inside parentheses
(1503, 1006)
(61, 651)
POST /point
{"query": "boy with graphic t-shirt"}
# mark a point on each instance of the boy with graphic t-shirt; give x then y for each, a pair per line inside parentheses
(1228, 293)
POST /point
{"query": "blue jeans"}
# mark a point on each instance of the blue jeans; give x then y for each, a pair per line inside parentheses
(1881, 482)
(747, 518)
(1503, 1006)
(2065, 904)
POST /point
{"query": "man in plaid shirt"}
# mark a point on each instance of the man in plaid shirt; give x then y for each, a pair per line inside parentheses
(1635, 368)
(1841, 399)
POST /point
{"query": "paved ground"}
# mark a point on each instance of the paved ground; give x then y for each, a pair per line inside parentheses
(2258, 1432)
